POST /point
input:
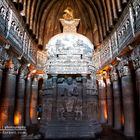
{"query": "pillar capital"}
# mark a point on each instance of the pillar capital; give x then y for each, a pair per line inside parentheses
(136, 62)
(100, 80)
(12, 68)
(114, 74)
(1, 65)
(123, 68)
(99, 77)
(106, 76)
(23, 71)
(135, 58)
(124, 71)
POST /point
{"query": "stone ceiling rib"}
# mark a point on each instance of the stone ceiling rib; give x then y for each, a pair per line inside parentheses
(102, 13)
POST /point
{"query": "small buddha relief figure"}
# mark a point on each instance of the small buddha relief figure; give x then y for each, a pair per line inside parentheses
(68, 14)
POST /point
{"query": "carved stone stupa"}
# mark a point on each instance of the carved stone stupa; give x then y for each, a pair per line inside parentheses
(70, 94)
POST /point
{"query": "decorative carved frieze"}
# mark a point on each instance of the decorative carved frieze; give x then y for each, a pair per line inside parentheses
(136, 9)
(12, 28)
(96, 58)
(114, 44)
(125, 28)
(106, 53)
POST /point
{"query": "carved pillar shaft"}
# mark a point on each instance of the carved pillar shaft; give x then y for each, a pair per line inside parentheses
(135, 59)
(54, 104)
(8, 99)
(138, 85)
(33, 101)
(27, 101)
(128, 102)
(1, 73)
(117, 101)
(102, 101)
(19, 114)
(109, 102)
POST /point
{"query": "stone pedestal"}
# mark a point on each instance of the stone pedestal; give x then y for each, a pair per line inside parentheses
(27, 101)
(33, 103)
(128, 102)
(109, 102)
(72, 106)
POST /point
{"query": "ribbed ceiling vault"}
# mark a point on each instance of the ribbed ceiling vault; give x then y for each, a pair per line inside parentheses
(97, 17)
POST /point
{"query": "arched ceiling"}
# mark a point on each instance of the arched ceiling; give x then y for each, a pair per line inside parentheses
(98, 17)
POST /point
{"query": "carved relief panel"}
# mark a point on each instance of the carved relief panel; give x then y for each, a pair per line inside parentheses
(70, 99)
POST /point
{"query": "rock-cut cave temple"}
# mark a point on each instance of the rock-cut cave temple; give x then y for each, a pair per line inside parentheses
(70, 69)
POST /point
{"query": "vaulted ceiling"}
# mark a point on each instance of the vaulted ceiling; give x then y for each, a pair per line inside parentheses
(98, 17)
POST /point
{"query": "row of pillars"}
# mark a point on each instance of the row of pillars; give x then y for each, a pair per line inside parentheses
(18, 99)
(116, 99)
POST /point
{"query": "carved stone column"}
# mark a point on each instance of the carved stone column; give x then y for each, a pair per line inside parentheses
(1, 75)
(138, 84)
(27, 100)
(8, 98)
(54, 104)
(84, 100)
(136, 64)
(33, 101)
(117, 99)
(102, 99)
(109, 101)
(128, 100)
(19, 113)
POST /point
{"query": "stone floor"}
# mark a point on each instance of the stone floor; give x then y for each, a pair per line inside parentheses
(110, 134)
(107, 134)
